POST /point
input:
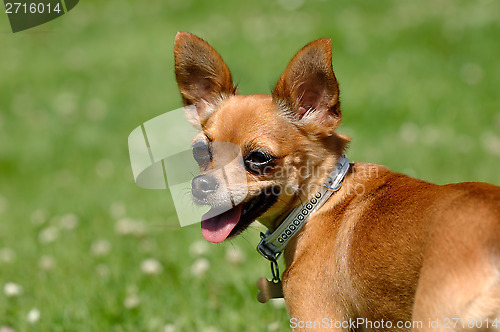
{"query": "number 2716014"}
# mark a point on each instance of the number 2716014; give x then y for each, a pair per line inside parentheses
(454, 323)
(31, 8)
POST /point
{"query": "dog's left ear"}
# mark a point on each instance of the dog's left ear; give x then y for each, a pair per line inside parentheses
(308, 90)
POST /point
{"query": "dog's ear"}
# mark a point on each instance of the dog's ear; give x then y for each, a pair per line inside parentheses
(308, 90)
(202, 76)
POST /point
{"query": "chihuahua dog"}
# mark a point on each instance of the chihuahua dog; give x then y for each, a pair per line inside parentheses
(385, 251)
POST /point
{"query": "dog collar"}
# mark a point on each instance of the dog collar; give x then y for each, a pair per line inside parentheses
(272, 244)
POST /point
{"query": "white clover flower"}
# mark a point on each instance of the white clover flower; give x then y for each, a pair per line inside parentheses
(278, 303)
(38, 217)
(198, 248)
(102, 270)
(48, 234)
(124, 226)
(210, 329)
(472, 73)
(33, 316)
(127, 226)
(169, 328)
(100, 247)
(235, 255)
(132, 301)
(6, 329)
(200, 266)
(68, 221)
(117, 210)
(7, 255)
(46, 262)
(409, 132)
(12, 289)
(65, 103)
(491, 143)
(151, 266)
(104, 168)
(274, 326)
(147, 245)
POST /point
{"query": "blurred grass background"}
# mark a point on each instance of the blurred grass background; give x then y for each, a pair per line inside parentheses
(83, 249)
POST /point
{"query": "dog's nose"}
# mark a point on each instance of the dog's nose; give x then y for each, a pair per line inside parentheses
(203, 185)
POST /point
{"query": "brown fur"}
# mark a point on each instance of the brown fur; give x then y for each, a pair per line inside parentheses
(385, 246)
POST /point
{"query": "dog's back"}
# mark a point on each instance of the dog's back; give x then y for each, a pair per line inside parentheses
(401, 250)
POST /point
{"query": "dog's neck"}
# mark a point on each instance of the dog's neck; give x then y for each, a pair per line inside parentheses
(273, 243)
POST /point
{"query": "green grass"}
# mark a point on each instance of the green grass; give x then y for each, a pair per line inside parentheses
(419, 84)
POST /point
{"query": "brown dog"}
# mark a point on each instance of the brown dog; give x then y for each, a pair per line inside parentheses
(383, 252)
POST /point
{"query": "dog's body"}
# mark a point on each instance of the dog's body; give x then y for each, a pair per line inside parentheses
(385, 247)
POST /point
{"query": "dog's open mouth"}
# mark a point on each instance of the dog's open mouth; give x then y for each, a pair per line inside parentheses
(230, 223)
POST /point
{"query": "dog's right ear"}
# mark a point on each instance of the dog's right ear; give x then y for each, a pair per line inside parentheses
(202, 76)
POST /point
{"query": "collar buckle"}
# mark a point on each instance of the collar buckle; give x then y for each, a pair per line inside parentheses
(330, 185)
(265, 250)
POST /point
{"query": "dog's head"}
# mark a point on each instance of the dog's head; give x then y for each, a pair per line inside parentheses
(287, 140)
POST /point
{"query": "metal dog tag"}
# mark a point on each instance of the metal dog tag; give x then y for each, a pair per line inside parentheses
(268, 289)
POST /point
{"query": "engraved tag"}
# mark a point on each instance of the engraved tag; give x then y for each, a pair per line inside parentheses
(268, 290)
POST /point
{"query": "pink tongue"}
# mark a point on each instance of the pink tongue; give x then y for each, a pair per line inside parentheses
(217, 229)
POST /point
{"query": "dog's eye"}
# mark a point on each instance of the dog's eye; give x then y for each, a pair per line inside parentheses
(259, 157)
(259, 162)
(201, 153)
